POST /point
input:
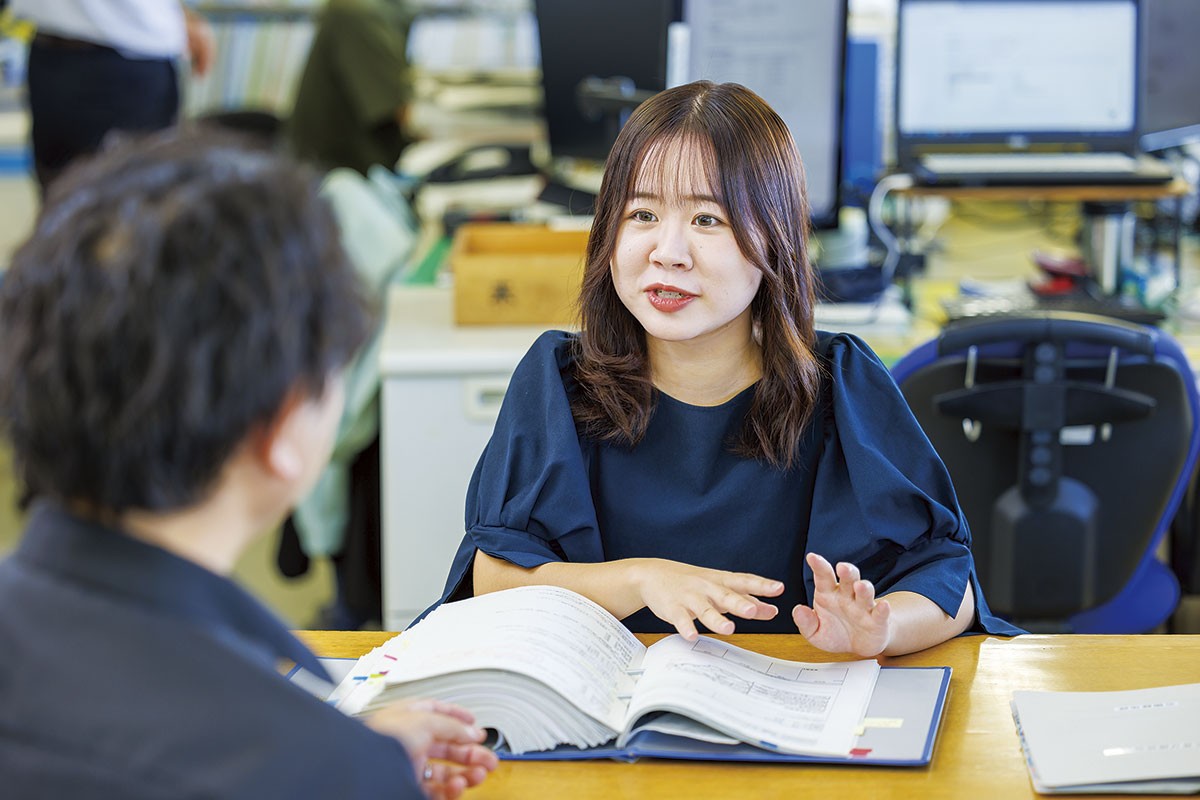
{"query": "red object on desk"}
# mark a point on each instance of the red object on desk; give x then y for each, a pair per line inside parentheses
(1056, 285)
(1061, 274)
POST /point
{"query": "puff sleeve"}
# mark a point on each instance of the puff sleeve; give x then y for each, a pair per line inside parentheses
(883, 499)
(529, 500)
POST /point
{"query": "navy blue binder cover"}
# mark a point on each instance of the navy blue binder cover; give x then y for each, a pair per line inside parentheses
(900, 728)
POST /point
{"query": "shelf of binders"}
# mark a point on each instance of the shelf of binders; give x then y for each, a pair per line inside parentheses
(261, 48)
(260, 52)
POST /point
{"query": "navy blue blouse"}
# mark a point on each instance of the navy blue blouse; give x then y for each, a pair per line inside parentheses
(868, 488)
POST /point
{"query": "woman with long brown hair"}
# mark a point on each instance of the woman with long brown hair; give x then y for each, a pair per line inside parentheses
(699, 451)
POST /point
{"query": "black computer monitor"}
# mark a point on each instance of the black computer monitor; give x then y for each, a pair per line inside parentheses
(599, 59)
(1170, 89)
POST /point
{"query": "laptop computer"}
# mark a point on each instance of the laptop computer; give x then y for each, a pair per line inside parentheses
(1017, 92)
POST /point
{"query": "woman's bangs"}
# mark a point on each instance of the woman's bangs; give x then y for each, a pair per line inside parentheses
(679, 168)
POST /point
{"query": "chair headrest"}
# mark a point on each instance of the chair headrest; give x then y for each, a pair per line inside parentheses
(1048, 326)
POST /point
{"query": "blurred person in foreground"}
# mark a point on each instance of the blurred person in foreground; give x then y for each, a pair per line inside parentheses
(172, 338)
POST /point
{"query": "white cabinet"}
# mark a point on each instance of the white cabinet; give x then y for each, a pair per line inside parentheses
(442, 388)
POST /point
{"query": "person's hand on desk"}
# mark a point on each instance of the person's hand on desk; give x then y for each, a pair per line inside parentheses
(677, 593)
(430, 729)
(682, 594)
(845, 616)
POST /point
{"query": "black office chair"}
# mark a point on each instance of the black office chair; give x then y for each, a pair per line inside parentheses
(1071, 439)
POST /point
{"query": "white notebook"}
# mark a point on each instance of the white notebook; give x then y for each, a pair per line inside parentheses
(1144, 741)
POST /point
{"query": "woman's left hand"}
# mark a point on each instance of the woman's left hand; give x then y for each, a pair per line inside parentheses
(844, 617)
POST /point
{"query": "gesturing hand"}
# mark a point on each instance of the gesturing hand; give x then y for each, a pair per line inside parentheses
(845, 617)
(680, 594)
(433, 729)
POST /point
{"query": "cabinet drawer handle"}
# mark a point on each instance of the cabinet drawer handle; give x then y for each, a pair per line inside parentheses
(484, 397)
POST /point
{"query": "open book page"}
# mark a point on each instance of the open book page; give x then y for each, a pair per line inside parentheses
(553, 635)
(780, 705)
(1136, 741)
(677, 725)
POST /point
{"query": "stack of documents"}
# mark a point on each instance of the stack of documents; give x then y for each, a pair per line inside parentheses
(554, 675)
(1145, 741)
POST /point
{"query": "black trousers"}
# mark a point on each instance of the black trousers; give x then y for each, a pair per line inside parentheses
(79, 93)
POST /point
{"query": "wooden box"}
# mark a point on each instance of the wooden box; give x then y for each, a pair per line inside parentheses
(513, 274)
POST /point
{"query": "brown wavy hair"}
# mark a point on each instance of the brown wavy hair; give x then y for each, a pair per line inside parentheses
(755, 172)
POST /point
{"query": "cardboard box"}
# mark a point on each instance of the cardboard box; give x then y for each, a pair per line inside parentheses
(512, 274)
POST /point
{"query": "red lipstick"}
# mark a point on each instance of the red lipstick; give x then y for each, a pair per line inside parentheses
(668, 299)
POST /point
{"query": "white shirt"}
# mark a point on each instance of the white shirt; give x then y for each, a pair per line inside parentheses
(136, 28)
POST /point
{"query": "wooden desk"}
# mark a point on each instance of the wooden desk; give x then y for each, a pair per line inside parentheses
(1107, 247)
(977, 753)
(1069, 194)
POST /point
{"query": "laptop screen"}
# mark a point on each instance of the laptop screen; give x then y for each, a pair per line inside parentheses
(1005, 75)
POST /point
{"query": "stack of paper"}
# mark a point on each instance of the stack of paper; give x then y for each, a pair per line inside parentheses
(1145, 741)
(543, 667)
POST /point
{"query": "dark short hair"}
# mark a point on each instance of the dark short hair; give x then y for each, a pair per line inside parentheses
(754, 170)
(175, 289)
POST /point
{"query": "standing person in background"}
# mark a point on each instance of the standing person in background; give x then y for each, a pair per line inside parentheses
(97, 66)
(352, 102)
(173, 338)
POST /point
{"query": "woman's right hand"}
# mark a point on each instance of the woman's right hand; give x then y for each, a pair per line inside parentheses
(682, 594)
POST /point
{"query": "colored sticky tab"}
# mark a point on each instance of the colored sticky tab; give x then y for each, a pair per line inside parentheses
(883, 722)
(878, 722)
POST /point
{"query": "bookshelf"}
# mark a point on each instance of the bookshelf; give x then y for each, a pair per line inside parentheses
(261, 48)
(260, 52)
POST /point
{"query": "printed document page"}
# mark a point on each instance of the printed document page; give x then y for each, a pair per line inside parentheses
(787, 706)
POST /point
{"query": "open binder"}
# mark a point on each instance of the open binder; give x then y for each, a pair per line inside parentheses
(899, 730)
(557, 677)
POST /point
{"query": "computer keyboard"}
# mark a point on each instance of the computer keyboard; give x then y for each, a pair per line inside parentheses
(968, 306)
(1037, 168)
(1031, 162)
